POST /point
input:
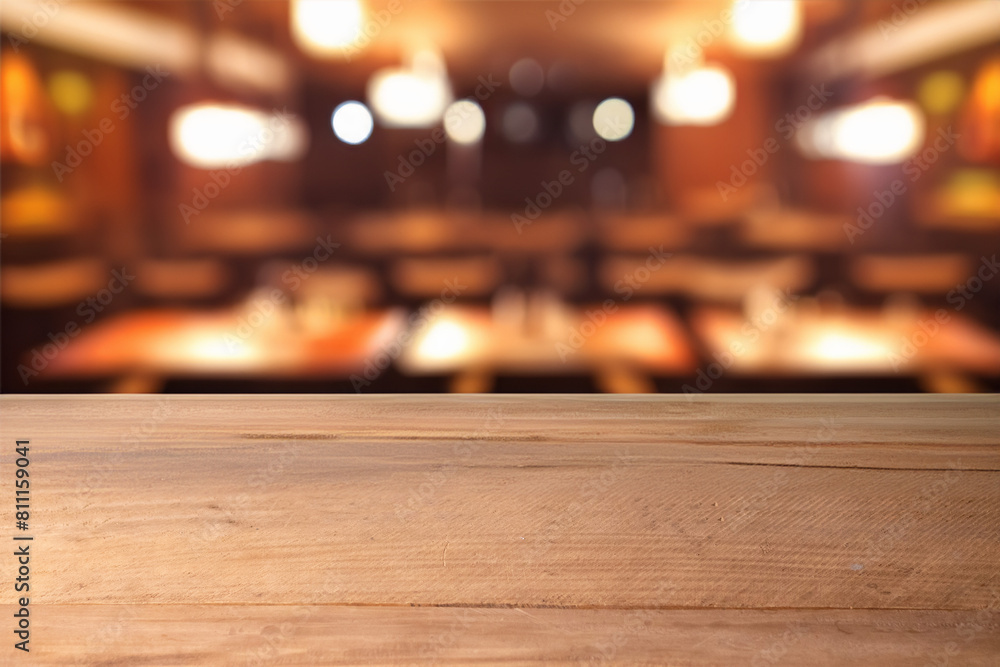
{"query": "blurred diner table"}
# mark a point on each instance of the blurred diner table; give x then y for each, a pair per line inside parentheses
(804, 341)
(240, 342)
(620, 344)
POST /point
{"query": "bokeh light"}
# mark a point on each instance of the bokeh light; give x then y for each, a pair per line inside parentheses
(766, 27)
(521, 124)
(326, 27)
(705, 96)
(614, 119)
(527, 77)
(71, 92)
(464, 122)
(352, 122)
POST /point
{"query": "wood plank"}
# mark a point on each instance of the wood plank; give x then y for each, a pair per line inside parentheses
(722, 522)
(309, 634)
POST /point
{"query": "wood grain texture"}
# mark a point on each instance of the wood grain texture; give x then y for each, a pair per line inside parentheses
(721, 523)
(332, 635)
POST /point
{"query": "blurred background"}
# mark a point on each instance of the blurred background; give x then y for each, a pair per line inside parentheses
(500, 195)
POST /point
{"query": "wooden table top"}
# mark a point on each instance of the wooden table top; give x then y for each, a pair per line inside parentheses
(709, 530)
(225, 343)
(645, 337)
(855, 341)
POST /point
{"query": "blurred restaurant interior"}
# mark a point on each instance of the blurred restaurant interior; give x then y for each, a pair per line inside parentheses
(500, 196)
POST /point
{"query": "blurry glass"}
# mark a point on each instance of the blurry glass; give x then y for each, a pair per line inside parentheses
(527, 77)
(520, 123)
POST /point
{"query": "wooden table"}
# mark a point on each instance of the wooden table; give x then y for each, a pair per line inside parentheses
(249, 342)
(852, 342)
(712, 530)
(621, 344)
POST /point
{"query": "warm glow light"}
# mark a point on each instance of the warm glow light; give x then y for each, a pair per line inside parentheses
(325, 27)
(247, 66)
(941, 92)
(836, 346)
(209, 136)
(704, 96)
(766, 27)
(465, 122)
(71, 92)
(222, 349)
(444, 340)
(614, 119)
(414, 97)
(879, 132)
(876, 132)
(352, 122)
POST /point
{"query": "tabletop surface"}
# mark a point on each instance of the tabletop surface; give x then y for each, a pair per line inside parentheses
(647, 337)
(233, 343)
(704, 530)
